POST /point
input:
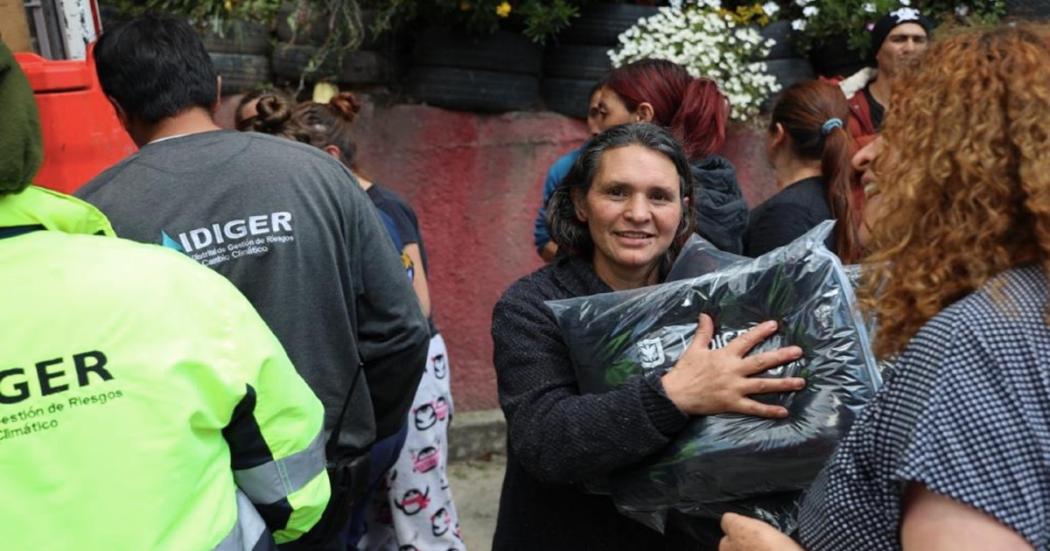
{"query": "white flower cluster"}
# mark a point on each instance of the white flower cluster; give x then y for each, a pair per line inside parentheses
(808, 11)
(708, 44)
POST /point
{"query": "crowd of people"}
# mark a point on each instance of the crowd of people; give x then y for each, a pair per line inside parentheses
(262, 367)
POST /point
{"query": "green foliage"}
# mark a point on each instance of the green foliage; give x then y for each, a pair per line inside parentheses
(203, 12)
(542, 21)
(536, 19)
(818, 21)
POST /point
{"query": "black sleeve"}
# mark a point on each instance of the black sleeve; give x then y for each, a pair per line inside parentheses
(405, 230)
(776, 226)
(398, 209)
(557, 434)
(393, 336)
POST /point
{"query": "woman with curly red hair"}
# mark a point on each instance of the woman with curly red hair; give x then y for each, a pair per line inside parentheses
(954, 452)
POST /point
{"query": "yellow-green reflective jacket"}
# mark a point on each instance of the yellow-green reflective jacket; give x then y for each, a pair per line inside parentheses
(143, 402)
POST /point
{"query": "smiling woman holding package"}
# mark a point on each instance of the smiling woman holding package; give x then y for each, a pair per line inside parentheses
(621, 215)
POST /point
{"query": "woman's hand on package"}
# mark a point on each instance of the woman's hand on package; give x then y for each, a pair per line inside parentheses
(747, 534)
(709, 382)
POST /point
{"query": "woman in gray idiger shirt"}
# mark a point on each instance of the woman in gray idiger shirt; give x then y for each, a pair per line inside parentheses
(954, 452)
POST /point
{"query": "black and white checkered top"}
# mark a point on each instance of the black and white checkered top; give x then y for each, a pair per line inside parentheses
(966, 413)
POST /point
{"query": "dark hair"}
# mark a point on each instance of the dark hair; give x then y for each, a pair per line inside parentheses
(694, 109)
(274, 116)
(242, 123)
(331, 124)
(804, 110)
(155, 67)
(573, 236)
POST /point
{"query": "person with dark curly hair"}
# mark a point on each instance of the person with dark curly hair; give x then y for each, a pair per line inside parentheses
(954, 452)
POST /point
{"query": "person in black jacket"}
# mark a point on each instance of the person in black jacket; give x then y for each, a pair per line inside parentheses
(811, 150)
(619, 218)
(696, 112)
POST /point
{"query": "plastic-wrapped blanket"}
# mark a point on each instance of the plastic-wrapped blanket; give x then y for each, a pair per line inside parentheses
(732, 462)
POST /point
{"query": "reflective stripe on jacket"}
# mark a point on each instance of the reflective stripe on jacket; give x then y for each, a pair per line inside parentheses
(143, 402)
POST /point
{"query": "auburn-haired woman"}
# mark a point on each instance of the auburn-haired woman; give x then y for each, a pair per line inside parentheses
(810, 151)
(696, 112)
(954, 452)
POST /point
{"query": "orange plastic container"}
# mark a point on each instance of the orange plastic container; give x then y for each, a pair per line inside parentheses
(82, 136)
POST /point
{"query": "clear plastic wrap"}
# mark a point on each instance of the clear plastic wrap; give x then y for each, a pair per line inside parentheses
(732, 462)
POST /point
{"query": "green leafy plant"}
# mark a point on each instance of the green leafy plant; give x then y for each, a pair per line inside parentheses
(819, 21)
(536, 19)
(202, 12)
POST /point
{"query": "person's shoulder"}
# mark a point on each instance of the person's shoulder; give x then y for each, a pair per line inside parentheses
(563, 278)
(1011, 299)
(281, 159)
(1019, 293)
(781, 209)
(1005, 315)
(566, 161)
(286, 149)
(134, 265)
(716, 176)
(562, 165)
(535, 286)
(105, 177)
(802, 195)
(1010, 310)
(388, 194)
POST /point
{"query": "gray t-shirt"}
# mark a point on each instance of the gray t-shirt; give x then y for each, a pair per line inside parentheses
(290, 227)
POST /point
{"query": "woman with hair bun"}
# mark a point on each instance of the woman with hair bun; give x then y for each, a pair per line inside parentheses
(696, 112)
(421, 462)
(247, 111)
(810, 150)
(271, 114)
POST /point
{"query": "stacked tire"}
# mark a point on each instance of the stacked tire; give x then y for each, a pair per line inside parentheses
(834, 58)
(1028, 9)
(580, 58)
(491, 73)
(302, 32)
(239, 52)
(783, 61)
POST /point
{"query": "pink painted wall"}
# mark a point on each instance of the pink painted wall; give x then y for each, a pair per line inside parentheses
(475, 182)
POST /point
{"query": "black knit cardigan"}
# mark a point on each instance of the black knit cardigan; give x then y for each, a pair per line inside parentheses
(558, 438)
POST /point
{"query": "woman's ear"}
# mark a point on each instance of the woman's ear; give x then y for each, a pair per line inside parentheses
(777, 135)
(644, 112)
(333, 151)
(579, 204)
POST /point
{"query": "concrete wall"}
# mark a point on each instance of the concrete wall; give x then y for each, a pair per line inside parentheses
(475, 182)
